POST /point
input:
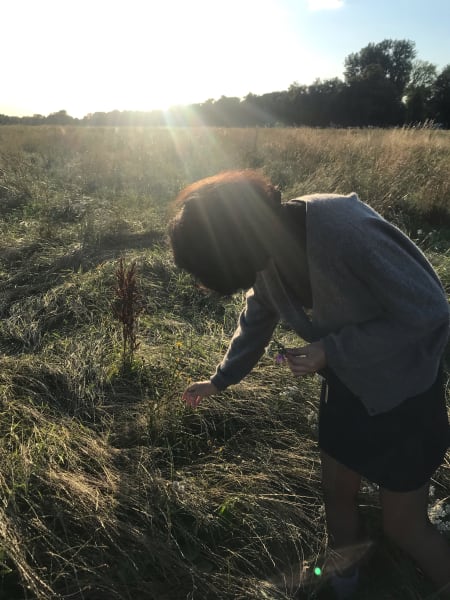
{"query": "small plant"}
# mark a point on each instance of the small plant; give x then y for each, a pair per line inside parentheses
(127, 308)
(276, 350)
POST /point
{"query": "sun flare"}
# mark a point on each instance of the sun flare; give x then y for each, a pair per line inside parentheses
(155, 54)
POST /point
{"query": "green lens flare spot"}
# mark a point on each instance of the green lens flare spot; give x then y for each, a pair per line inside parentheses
(318, 571)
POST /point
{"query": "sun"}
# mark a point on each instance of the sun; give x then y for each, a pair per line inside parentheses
(150, 54)
(170, 52)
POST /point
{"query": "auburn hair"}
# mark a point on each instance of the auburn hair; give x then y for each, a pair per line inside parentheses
(222, 226)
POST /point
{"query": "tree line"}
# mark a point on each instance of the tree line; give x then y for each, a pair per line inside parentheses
(384, 85)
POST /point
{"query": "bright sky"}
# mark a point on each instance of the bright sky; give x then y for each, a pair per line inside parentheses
(100, 55)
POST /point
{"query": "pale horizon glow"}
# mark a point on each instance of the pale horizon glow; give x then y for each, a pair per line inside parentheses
(103, 55)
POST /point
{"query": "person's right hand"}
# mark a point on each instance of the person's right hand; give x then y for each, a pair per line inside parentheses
(195, 393)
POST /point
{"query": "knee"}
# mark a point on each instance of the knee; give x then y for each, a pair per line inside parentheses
(405, 517)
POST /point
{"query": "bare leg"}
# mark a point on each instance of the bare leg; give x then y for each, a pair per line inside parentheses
(405, 521)
(340, 488)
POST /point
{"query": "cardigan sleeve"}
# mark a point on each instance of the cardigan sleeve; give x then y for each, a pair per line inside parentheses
(255, 328)
(413, 306)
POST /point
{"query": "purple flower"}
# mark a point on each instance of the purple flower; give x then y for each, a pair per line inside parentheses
(280, 358)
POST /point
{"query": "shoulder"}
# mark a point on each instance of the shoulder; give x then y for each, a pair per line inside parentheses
(337, 207)
(348, 227)
(334, 214)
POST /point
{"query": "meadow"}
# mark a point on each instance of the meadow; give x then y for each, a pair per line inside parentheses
(110, 488)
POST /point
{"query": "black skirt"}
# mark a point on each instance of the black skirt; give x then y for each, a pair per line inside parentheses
(400, 449)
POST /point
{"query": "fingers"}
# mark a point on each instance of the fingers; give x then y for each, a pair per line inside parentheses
(194, 394)
(300, 364)
(302, 351)
(298, 360)
(306, 360)
(191, 399)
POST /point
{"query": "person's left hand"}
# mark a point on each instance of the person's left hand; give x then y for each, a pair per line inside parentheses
(307, 359)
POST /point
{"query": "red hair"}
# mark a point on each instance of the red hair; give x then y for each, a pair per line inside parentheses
(221, 230)
(247, 177)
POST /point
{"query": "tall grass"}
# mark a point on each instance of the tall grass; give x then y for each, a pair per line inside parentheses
(110, 487)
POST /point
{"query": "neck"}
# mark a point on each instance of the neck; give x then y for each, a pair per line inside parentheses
(288, 250)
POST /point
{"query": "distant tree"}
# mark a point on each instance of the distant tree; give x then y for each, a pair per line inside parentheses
(420, 91)
(423, 74)
(297, 100)
(440, 100)
(228, 112)
(394, 58)
(269, 109)
(253, 114)
(322, 102)
(377, 77)
(370, 101)
(59, 118)
(96, 119)
(275, 107)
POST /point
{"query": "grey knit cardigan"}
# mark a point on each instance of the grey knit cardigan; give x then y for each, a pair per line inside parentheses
(378, 306)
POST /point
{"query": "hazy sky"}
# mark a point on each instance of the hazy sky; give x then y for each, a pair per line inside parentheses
(99, 55)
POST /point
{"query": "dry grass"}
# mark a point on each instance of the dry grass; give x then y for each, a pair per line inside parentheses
(110, 488)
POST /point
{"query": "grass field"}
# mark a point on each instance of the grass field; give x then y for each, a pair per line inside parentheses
(110, 488)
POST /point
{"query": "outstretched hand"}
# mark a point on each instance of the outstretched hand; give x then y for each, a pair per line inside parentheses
(307, 359)
(195, 393)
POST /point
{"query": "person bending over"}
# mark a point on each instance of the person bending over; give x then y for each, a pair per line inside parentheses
(376, 321)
